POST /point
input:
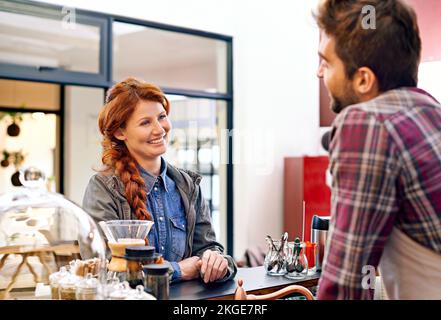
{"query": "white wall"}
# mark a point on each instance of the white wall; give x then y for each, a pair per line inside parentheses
(275, 92)
(82, 141)
(428, 78)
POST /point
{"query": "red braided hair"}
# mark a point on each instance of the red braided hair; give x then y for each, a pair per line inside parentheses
(121, 102)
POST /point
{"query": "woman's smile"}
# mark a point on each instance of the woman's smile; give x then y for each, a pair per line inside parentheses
(157, 141)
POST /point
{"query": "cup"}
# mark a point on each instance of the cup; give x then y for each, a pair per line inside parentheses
(275, 258)
(310, 250)
(296, 262)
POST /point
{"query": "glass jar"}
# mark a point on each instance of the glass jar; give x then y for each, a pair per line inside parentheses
(275, 258)
(54, 282)
(297, 263)
(87, 288)
(157, 280)
(68, 287)
(136, 257)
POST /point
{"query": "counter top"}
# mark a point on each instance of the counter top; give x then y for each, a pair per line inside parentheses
(255, 281)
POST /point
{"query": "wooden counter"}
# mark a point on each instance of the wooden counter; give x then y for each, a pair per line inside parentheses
(256, 281)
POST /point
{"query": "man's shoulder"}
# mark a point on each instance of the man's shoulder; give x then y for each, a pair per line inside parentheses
(393, 105)
(358, 114)
(386, 107)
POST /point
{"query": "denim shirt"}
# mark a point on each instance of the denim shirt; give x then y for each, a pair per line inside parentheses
(169, 232)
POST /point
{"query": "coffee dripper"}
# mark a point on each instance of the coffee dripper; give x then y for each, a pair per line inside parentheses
(120, 235)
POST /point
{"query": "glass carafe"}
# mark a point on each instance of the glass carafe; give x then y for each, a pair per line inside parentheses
(121, 234)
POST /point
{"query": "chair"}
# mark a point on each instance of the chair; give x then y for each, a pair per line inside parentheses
(241, 294)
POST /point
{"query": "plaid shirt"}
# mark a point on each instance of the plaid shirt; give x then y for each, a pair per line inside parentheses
(385, 160)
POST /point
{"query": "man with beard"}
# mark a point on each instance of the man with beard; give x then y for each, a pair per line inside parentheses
(385, 155)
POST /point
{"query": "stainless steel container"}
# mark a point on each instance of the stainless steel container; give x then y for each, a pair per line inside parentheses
(319, 235)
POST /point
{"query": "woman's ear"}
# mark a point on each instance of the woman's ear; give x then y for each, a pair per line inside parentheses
(119, 134)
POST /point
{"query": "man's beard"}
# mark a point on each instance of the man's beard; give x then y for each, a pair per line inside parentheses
(349, 98)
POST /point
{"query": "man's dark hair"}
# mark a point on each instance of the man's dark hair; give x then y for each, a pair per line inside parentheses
(392, 50)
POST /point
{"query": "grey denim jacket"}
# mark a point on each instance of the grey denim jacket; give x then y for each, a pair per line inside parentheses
(104, 199)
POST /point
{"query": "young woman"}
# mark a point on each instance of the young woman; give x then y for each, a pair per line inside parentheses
(137, 183)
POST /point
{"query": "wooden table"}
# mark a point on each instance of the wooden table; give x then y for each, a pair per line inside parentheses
(256, 281)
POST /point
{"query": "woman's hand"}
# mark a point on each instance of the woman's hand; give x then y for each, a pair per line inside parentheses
(213, 266)
(189, 268)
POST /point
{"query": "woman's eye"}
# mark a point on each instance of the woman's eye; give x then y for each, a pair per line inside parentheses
(162, 116)
(144, 123)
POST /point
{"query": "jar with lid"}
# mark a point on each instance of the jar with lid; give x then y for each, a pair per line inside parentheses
(139, 294)
(136, 256)
(87, 288)
(157, 280)
(54, 282)
(68, 287)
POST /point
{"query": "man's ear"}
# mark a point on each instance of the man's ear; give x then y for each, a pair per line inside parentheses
(119, 134)
(365, 82)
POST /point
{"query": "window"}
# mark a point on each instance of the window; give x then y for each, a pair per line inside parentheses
(169, 59)
(48, 44)
(193, 70)
(198, 125)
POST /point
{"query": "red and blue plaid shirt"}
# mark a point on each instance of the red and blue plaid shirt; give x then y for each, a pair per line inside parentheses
(385, 160)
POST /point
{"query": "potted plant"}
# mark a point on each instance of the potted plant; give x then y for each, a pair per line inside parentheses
(5, 162)
(13, 130)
